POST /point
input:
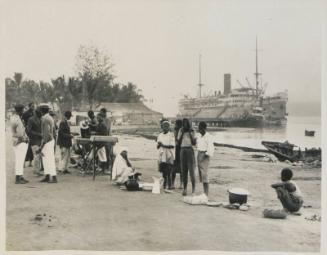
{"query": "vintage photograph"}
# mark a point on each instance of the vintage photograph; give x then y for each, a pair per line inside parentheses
(163, 126)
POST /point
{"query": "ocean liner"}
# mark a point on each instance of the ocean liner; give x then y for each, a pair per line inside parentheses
(246, 106)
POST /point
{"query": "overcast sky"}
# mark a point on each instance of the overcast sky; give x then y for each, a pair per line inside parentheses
(156, 44)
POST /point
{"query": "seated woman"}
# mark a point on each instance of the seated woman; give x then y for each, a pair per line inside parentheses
(122, 169)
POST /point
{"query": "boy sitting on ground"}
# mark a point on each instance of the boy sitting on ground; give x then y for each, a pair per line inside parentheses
(288, 192)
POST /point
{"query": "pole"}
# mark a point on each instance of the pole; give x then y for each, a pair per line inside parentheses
(256, 68)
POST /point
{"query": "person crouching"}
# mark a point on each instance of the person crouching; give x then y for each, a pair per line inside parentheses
(47, 146)
(122, 169)
(166, 145)
(288, 192)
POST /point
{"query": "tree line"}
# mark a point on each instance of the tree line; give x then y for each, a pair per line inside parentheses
(92, 85)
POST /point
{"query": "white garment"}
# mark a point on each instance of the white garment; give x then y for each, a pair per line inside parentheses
(205, 143)
(166, 155)
(102, 154)
(120, 170)
(48, 159)
(20, 154)
(17, 129)
(64, 158)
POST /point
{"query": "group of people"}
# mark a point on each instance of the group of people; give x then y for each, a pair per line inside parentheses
(36, 130)
(176, 154)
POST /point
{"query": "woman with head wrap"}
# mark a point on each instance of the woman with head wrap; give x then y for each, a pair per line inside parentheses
(122, 168)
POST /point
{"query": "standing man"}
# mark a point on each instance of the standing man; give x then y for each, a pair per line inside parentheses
(206, 150)
(47, 146)
(35, 135)
(108, 148)
(103, 112)
(102, 130)
(26, 116)
(54, 117)
(65, 142)
(92, 122)
(20, 143)
(28, 113)
(186, 140)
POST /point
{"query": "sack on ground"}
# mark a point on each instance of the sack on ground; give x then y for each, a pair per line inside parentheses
(156, 185)
(274, 214)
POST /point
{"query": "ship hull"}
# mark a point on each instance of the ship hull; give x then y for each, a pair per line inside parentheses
(250, 122)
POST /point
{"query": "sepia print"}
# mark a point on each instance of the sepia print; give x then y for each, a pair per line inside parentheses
(163, 126)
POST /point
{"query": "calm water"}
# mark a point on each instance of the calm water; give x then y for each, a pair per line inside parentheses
(293, 132)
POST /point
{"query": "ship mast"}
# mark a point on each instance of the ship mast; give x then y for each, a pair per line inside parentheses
(200, 84)
(256, 68)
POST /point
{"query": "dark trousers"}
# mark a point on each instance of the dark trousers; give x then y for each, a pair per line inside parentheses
(166, 170)
(177, 166)
(29, 154)
(187, 161)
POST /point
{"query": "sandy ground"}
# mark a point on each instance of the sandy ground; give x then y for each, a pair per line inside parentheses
(81, 214)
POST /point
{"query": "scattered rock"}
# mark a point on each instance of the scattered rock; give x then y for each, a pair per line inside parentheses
(231, 206)
(38, 217)
(314, 217)
(237, 205)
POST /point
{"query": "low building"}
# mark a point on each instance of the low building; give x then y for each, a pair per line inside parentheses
(123, 113)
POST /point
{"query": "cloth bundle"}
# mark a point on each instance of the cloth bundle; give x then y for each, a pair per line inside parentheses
(196, 200)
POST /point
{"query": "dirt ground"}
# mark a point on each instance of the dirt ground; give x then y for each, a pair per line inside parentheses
(81, 214)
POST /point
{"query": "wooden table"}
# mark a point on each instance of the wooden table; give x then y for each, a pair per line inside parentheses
(96, 142)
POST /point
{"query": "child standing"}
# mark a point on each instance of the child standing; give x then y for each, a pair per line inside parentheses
(206, 150)
(166, 145)
(288, 192)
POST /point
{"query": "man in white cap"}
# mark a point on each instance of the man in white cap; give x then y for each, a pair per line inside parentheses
(47, 145)
(20, 143)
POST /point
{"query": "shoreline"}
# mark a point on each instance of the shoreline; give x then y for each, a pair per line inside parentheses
(148, 133)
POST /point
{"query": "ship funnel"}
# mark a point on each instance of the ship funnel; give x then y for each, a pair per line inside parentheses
(227, 83)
